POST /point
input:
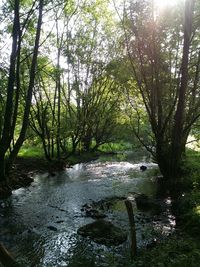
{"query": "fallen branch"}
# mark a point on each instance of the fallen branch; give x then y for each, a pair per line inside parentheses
(6, 258)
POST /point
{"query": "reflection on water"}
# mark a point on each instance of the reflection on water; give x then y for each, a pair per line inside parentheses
(29, 215)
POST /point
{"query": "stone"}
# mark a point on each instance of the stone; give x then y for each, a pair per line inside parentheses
(103, 232)
(143, 168)
(61, 221)
(89, 211)
(52, 228)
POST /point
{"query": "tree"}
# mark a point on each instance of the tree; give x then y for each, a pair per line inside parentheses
(99, 112)
(72, 91)
(9, 147)
(89, 48)
(51, 90)
(165, 62)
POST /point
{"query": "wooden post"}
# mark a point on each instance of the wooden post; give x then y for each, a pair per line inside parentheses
(6, 258)
(132, 227)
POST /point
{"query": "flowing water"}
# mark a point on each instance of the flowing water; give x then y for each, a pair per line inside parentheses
(39, 223)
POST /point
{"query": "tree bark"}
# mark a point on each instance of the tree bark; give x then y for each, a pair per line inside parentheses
(5, 138)
(178, 140)
(25, 122)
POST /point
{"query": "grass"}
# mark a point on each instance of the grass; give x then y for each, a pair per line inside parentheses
(177, 251)
(116, 147)
(31, 152)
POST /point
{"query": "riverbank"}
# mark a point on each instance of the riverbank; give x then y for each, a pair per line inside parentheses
(178, 250)
(22, 174)
(25, 168)
(183, 247)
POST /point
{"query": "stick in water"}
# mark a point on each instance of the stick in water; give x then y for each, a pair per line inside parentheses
(129, 208)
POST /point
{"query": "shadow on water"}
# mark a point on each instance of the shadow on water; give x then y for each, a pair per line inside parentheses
(39, 224)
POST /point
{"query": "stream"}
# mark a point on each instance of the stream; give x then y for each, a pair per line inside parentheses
(39, 224)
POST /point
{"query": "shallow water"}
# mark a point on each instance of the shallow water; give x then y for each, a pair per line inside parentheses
(57, 201)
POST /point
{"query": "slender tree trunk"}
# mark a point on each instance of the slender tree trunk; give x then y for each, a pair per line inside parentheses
(5, 138)
(2, 169)
(59, 98)
(46, 152)
(25, 122)
(17, 93)
(58, 85)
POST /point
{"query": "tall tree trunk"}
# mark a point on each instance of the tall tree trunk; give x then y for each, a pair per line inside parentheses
(59, 42)
(178, 138)
(25, 122)
(5, 138)
(58, 85)
(17, 93)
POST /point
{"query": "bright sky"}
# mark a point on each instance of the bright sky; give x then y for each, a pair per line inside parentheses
(163, 3)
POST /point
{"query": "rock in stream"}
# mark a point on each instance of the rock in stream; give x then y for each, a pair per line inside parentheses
(103, 232)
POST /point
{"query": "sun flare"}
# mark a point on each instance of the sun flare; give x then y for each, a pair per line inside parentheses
(160, 4)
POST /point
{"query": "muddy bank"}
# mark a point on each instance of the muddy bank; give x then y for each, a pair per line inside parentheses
(22, 174)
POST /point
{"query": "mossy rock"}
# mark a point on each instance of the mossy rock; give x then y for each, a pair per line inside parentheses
(103, 232)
